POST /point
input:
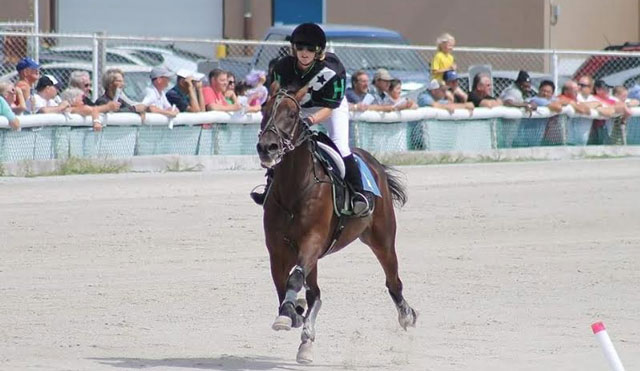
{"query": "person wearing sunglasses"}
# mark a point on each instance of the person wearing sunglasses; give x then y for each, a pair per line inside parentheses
(81, 80)
(324, 75)
(13, 96)
(8, 90)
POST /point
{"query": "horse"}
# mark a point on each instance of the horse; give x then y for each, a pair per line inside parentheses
(300, 225)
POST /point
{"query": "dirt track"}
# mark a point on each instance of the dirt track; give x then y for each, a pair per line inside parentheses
(508, 265)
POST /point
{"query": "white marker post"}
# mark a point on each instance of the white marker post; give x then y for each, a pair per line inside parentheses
(607, 347)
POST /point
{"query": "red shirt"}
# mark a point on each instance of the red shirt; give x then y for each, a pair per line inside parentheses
(211, 96)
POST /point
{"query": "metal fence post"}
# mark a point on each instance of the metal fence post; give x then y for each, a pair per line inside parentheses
(99, 63)
(36, 29)
(554, 68)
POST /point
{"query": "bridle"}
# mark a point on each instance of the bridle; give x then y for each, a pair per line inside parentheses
(287, 142)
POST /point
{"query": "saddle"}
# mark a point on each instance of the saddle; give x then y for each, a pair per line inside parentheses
(327, 154)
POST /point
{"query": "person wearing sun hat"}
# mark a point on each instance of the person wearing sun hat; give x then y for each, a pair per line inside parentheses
(46, 99)
(187, 95)
(28, 75)
(155, 99)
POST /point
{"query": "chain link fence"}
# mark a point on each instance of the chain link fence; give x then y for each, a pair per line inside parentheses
(59, 54)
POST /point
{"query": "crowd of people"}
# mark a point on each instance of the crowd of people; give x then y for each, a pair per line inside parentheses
(36, 93)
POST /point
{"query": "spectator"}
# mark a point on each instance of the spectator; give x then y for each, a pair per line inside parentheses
(359, 90)
(545, 97)
(480, 95)
(81, 80)
(214, 98)
(28, 75)
(622, 95)
(359, 97)
(230, 92)
(454, 92)
(395, 99)
(243, 100)
(381, 80)
(518, 93)
(155, 99)
(46, 99)
(13, 96)
(436, 97)
(113, 83)
(569, 97)
(601, 93)
(258, 92)
(6, 111)
(443, 60)
(187, 95)
(75, 98)
(585, 94)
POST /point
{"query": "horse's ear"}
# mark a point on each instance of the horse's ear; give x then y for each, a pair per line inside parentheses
(301, 93)
(275, 86)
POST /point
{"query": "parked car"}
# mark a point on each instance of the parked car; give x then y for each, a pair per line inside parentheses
(405, 64)
(601, 66)
(171, 58)
(84, 53)
(136, 77)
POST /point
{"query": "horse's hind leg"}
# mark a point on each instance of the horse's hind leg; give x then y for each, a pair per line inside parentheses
(382, 243)
(305, 351)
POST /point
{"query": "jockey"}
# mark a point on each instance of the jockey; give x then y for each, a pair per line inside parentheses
(325, 103)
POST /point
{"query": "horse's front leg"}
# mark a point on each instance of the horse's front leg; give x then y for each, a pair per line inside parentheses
(288, 316)
(305, 351)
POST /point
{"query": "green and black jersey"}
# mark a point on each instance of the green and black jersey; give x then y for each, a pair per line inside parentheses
(326, 80)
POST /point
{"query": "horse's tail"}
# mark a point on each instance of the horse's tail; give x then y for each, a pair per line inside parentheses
(396, 185)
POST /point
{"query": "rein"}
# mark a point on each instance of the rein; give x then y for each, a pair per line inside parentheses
(286, 143)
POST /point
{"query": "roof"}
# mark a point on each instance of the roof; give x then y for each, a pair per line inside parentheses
(342, 30)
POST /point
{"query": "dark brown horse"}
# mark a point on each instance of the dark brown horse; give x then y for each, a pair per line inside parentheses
(300, 224)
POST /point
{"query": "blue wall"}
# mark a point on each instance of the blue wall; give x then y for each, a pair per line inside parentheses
(291, 11)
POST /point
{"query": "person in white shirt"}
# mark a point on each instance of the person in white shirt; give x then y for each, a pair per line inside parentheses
(46, 99)
(155, 99)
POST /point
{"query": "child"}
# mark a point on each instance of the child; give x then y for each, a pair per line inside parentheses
(443, 60)
(242, 98)
(258, 93)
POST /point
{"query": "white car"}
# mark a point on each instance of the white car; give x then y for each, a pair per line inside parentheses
(173, 59)
(85, 53)
(136, 77)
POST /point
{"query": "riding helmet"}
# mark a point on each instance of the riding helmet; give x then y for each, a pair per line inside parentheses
(309, 34)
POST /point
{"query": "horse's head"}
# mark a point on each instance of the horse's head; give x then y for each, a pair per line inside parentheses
(281, 129)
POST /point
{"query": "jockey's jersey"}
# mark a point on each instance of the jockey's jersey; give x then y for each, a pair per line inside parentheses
(326, 80)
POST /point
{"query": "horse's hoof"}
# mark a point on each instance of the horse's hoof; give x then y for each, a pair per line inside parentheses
(282, 323)
(409, 319)
(305, 353)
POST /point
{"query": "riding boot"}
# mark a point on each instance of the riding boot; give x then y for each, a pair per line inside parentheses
(359, 202)
(259, 197)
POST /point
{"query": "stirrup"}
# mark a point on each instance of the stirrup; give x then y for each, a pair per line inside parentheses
(258, 197)
(360, 205)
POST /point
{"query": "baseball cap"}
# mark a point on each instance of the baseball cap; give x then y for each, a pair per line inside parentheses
(26, 62)
(523, 76)
(160, 72)
(382, 74)
(48, 80)
(434, 84)
(450, 75)
(185, 73)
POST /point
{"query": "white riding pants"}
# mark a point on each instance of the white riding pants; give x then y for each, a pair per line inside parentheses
(337, 125)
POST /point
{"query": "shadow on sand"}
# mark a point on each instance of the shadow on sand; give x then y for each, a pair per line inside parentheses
(224, 362)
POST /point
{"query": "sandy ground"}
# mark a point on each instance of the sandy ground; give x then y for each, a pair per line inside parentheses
(507, 263)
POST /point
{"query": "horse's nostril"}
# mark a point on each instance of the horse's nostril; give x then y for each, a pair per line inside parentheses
(272, 147)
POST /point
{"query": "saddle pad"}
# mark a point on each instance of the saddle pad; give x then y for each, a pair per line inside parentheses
(368, 181)
(335, 157)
